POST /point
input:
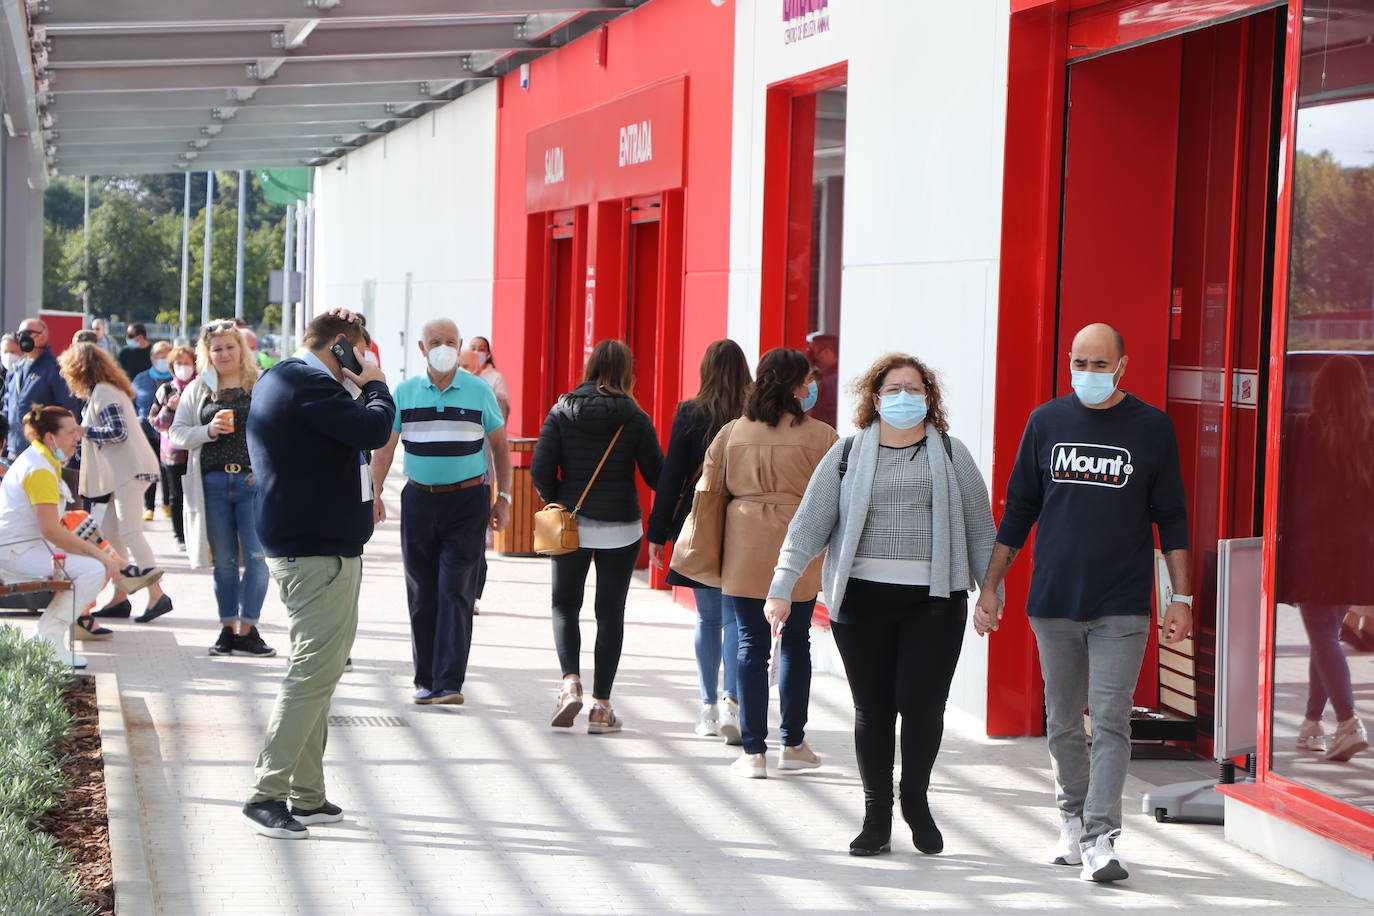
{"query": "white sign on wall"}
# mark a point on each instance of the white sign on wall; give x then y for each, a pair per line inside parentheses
(803, 19)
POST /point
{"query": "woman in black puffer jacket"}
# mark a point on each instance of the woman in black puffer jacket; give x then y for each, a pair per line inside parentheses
(576, 434)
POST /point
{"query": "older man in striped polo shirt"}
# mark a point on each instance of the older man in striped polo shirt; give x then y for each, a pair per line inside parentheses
(444, 418)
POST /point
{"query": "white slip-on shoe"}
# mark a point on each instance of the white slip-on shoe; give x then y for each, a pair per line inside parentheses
(800, 757)
(729, 722)
(708, 721)
(1311, 736)
(1100, 861)
(750, 766)
(1349, 740)
(1067, 851)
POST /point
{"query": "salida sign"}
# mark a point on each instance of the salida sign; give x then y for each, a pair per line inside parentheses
(629, 146)
(803, 19)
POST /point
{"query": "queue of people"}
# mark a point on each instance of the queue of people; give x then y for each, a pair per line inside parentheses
(760, 508)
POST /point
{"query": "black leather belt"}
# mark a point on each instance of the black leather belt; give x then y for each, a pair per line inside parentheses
(448, 487)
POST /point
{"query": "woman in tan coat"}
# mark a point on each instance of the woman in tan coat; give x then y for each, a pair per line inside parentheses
(763, 463)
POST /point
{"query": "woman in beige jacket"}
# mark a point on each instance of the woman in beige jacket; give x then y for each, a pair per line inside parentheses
(763, 463)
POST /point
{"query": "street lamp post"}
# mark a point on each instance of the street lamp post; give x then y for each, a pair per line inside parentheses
(209, 231)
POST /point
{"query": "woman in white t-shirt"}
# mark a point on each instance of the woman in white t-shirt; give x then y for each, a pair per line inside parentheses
(32, 497)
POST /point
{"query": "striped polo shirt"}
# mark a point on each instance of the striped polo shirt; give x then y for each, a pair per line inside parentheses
(444, 431)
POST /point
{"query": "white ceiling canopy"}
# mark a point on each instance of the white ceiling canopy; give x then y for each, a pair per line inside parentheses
(161, 85)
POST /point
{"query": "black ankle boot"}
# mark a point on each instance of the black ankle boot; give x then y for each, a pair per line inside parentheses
(924, 833)
(876, 835)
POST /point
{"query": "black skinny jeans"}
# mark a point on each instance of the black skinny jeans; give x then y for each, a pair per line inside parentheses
(173, 477)
(900, 648)
(613, 571)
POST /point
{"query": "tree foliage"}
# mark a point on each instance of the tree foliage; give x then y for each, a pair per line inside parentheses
(134, 264)
(1332, 253)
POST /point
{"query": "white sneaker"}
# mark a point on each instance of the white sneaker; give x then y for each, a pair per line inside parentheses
(1100, 861)
(729, 722)
(1311, 737)
(1067, 851)
(708, 722)
(750, 766)
(1349, 740)
(800, 757)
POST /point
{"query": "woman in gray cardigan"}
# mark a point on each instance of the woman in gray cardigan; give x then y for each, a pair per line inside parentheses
(905, 513)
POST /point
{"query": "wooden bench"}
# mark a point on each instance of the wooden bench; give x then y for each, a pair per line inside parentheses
(32, 594)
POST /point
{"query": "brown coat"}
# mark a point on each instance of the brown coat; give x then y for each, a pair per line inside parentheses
(764, 470)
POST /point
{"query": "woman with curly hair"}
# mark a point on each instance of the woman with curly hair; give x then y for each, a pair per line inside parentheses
(905, 514)
(762, 463)
(117, 464)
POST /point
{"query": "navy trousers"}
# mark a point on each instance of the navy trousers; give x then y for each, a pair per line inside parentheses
(443, 545)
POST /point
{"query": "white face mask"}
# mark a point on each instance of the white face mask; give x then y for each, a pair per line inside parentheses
(10, 360)
(370, 357)
(184, 372)
(483, 358)
(442, 358)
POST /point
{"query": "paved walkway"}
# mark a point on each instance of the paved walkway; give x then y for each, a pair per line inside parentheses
(485, 809)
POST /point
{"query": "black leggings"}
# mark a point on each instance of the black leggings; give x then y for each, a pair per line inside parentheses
(172, 477)
(900, 648)
(613, 571)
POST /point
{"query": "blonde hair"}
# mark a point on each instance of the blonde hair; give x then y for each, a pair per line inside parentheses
(214, 329)
(85, 365)
(162, 346)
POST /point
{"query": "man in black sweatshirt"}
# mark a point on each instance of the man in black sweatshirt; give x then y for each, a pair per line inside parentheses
(306, 437)
(1097, 469)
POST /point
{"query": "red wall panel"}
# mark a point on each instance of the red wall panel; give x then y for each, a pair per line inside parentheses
(657, 42)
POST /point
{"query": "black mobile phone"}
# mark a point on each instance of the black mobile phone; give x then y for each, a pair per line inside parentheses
(343, 352)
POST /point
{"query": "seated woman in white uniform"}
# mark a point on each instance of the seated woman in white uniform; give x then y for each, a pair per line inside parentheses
(32, 497)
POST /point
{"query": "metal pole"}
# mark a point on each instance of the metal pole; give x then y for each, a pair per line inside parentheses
(185, 251)
(288, 317)
(310, 258)
(86, 255)
(238, 258)
(209, 231)
(299, 265)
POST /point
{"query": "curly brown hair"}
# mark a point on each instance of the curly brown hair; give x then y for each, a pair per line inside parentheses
(865, 387)
(85, 365)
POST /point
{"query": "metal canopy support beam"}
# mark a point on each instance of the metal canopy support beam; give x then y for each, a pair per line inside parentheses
(103, 13)
(174, 98)
(243, 131)
(209, 230)
(305, 114)
(168, 149)
(86, 49)
(228, 76)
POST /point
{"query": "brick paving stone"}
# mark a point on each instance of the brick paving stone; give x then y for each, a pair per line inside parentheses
(485, 809)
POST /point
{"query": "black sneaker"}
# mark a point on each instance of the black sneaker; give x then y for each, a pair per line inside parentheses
(251, 643)
(324, 814)
(271, 819)
(348, 664)
(225, 644)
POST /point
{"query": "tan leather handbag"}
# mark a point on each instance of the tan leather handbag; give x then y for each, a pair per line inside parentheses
(555, 525)
(697, 551)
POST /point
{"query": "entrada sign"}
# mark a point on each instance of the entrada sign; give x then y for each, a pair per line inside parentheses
(629, 146)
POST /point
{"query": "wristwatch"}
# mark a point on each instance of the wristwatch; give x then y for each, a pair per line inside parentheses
(502, 494)
(1182, 599)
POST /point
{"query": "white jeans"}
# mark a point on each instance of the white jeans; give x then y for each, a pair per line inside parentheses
(35, 562)
(122, 524)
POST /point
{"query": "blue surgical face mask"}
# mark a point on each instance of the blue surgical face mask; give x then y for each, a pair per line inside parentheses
(1093, 388)
(160, 366)
(902, 410)
(60, 455)
(812, 393)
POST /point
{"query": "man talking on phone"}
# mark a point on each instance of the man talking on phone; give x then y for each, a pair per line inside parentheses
(306, 437)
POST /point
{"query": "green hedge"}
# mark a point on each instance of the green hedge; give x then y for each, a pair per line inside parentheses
(33, 721)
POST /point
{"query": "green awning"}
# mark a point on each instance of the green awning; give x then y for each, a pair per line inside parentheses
(285, 186)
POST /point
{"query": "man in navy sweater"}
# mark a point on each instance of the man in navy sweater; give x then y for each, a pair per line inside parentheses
(1096, 470)
(306, 437)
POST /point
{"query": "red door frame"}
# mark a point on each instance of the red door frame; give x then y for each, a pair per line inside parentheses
(1039, 48)
(790, 126)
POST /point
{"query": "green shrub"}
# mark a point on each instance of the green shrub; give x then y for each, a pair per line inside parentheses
(33, 720)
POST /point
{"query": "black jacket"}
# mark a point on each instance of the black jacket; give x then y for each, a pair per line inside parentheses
(575, 435)
(682, 467)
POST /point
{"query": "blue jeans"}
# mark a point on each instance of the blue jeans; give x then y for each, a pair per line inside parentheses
(717, 640)
(794, 671)
(1328, 673)
(231, 523)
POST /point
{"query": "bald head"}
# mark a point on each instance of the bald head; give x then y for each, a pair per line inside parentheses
(440, 328)
(469, 362)
(1100, 336)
